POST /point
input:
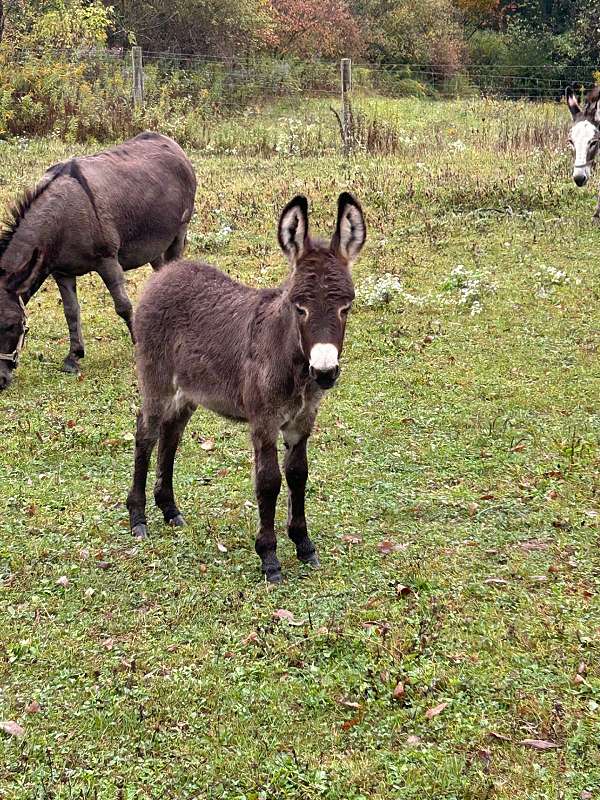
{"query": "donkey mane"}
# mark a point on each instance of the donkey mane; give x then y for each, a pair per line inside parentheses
(18, 210)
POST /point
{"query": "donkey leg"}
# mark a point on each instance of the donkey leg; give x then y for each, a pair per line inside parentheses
(67, 286)
(177, 246)
(267, 485)
(113, 276)
(145, 439)
(596, 215)
(171, 432)
(296, 474)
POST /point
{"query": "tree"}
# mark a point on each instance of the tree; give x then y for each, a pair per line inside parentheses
(316, 28)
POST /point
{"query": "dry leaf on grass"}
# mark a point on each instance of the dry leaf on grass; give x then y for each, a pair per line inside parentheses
(12, 728)
(399, 691)
(539, 744)
(435, 711)
(63, 581)
(208, 444)
(33, 708)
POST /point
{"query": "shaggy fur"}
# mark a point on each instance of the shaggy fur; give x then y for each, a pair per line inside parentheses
(205, 339)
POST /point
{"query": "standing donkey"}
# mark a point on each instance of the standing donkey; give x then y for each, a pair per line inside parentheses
(584, 136)
(265, 356)
(108, 212)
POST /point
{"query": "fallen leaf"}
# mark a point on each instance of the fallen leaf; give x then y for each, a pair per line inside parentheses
(533, 544)
(63, 581)
(103, 564)
(585, 795)
(221, 548)
(582, 668)
(386, 547)
(472, 509)
(283, 613)
(496, 581)
(89, 592)
(487, 496)
(32, 510)
(350, 723)
(500, 736)
(349, 539)
(552, 494)
(208, 444)
(539, 744)
(399, 691)
(222, 472)
(252, 637)
(578, 680)
(70, 423)
(433, 712)
(12, 728)
(202, 568)
(108, 644)
(413, 740)
(33, 708)
(402, 590)
(518, 448)
(348, 703)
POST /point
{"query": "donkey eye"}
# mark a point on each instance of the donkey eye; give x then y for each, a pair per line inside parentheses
(570, 143)
(300, 310)
(344, 311)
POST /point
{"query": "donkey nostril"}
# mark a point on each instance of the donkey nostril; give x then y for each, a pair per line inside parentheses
(579, 179)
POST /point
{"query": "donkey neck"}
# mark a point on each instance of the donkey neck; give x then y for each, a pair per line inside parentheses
(35, 230)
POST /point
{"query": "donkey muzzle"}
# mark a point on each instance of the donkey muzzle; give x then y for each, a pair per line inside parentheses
(580, 177)
(6, 376)
(325, 378)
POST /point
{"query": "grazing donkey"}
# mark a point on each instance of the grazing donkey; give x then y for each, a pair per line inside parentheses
(109, 212)
(265, 356)
(584, 135)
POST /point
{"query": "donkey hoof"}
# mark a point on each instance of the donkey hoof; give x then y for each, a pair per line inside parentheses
(177, 521)
(71, 366)
(272, 569)
(140, 531)
(312, 560)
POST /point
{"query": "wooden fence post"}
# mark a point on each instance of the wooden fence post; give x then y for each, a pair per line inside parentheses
(138, 77)
(346, 73)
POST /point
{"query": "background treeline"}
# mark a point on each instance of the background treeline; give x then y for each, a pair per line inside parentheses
(64, 66)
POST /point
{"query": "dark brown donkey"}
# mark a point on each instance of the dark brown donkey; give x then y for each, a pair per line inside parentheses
(106, 213)
(265, 356)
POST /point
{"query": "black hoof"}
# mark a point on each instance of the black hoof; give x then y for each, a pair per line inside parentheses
(312, 560)
(140, 531)
(177, 521)
(71, 366)
(272, 569)
(274, 576)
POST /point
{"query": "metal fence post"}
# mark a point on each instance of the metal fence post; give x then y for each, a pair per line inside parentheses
(346, 74)
(138, 77)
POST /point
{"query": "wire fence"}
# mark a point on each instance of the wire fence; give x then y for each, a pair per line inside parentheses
(237, 80)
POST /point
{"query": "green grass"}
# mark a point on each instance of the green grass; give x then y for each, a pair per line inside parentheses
(470, 442)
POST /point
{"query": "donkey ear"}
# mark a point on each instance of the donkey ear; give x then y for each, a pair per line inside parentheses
(350, 230)
(572, 102)
(293, 228)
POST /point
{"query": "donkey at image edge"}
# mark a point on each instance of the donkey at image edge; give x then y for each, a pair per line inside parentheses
(584, 136)
(264, 356)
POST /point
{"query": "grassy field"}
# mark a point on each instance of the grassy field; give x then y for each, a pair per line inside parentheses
(454, 497)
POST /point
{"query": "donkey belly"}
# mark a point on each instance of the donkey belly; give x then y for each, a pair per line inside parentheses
(223, 404)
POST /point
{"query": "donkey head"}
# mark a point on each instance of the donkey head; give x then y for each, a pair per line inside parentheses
(584, 136)
(320, 289)
(13, 317)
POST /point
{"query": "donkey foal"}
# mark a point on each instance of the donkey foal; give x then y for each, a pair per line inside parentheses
(265, 356)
